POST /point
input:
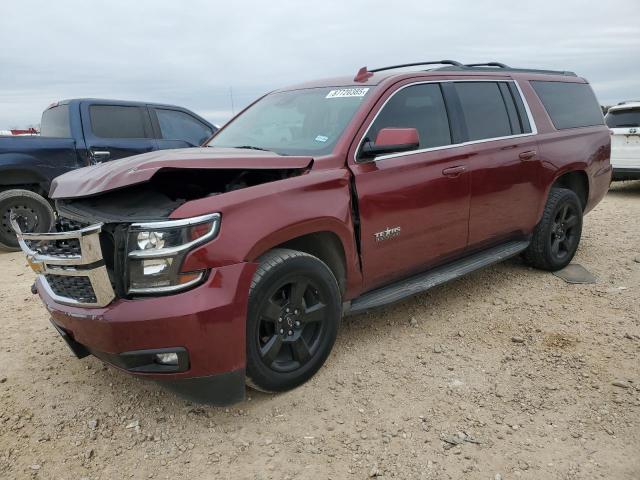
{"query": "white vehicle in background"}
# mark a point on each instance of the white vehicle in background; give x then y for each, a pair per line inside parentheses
(624, 121)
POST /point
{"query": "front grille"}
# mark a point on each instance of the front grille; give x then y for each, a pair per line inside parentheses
(68, 248)
(79, 288)
(64, 248)
(64, 224)
(70, 263)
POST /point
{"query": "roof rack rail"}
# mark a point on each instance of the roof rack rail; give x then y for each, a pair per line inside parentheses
(501, 67)
(438, 62)
(627, 101)
(488, 64)
(363, 74)
(451, 65)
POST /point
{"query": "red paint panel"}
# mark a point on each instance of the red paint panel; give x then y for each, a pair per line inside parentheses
(208, 321)
(413, 193)
(140, 168)
(257, 219)
(505, 190)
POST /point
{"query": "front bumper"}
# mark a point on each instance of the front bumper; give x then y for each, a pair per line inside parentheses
(208, 322)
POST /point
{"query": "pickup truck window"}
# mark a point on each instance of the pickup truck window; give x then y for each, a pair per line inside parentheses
(176, 125)
(111, 121)
(55, 122)
(569, 105)
(484, 110)
(416, 106)
(296, 122)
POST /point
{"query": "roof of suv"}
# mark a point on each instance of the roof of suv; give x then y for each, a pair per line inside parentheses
(628, 105)
(376, 76)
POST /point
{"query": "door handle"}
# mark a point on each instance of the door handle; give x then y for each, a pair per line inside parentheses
(454, 171)
(99, 156)
(528, 155)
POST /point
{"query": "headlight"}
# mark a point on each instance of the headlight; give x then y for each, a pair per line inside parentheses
(156, 251)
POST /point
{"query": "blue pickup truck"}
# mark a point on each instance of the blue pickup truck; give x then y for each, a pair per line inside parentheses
(77, 133)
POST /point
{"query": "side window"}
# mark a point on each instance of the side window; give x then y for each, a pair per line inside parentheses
(111, 121)
(420, 107)
(484, 110)
(55, 122)
(175, 125)
(569, 104)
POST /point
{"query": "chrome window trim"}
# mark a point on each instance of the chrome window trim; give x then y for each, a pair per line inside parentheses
(532, 123)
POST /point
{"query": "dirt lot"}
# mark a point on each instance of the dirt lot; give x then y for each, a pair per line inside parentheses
(509, 373)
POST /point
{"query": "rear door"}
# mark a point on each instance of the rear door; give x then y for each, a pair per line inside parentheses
(504, 165)
(178, 129)
(413, 206)
(116, 131)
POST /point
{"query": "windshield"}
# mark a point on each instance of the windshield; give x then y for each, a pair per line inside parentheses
(623, 118)
(297, 122)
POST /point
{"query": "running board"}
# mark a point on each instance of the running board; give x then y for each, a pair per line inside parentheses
(424, 281)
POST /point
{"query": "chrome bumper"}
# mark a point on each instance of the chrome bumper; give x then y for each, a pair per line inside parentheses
(88, 263)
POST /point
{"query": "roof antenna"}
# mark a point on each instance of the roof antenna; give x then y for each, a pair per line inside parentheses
(362, 75)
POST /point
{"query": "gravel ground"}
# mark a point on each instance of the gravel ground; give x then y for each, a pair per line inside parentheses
(508, 373)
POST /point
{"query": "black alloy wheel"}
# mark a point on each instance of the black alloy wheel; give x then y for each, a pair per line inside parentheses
(294, 310)
(556, 238)
(564, 235)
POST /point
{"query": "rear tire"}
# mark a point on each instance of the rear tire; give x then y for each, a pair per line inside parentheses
(293, 315)
(33, 211)
(556, 238)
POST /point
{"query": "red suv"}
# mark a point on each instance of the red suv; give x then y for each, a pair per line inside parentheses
(211, 267)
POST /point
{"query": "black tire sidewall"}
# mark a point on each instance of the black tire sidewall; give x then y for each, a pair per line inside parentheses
(259, 374)
(13, 198)
(567, 197)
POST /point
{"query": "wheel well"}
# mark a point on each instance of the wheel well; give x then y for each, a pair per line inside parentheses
(23, 179)
(32, 187)
(576, 181)
(327, 247)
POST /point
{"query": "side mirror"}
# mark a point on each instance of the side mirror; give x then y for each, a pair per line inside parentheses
(392, 140)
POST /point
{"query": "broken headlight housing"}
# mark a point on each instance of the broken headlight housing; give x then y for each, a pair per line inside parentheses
(156, 251)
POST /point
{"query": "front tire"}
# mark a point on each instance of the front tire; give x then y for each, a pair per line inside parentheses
(294, 311)
(33, 212)
(557, 236)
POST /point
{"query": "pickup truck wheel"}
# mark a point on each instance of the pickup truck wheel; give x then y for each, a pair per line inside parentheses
(33, 212)
(556, 238)
(294, 311)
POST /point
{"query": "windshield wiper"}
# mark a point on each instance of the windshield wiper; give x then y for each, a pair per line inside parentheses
(251, 147)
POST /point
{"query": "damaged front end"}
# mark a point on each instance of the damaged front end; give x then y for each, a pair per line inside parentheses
(123, 244)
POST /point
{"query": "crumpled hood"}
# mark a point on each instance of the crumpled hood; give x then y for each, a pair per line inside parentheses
(115, 174)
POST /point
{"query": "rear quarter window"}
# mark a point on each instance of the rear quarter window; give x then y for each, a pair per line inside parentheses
(570, 105)
(55, 122)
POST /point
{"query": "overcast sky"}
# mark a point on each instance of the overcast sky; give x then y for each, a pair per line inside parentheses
(193, 53)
